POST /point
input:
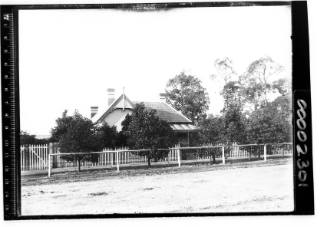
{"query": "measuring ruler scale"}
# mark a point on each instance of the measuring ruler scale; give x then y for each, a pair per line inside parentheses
(10, 112)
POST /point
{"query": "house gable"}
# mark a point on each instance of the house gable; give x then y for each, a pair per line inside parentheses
(116, 117)
(122, 102)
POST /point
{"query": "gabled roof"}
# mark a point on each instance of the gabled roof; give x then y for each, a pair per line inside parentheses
(166, 112)
(163, 110)
(122, 102)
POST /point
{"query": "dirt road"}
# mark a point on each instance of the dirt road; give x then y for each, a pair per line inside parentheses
(259, 188)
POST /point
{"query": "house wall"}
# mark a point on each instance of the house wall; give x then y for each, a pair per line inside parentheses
(116, 117)
(187, 139)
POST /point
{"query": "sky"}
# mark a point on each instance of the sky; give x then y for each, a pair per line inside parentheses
(68, 58)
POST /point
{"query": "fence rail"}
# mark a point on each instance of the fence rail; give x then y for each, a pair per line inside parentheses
(48, 156)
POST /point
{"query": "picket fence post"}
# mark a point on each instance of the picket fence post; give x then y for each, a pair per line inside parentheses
(178, 155)
(265, 153)
(223, 155)
(49, 159)
(117, 160)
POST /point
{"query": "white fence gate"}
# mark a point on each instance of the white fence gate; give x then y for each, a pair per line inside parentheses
(34, 157)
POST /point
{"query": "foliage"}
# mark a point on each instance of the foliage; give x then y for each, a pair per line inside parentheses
(77, 134)
(62, 125)
(26, 138)
(225, 70)
(272, 123)
(256, 84)
(144, 130)
(186, 94)
(232, 95)
(256, 102)
(108, 136)
(234, 126)
(232, 119)
(211, 130)
(282, 86)
(258, 81)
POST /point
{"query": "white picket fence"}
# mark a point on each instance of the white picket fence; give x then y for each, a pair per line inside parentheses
(36, 157)
(232, 152)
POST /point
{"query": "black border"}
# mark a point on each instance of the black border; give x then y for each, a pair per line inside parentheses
(303, 198)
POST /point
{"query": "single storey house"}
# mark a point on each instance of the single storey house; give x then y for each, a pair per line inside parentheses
(118, 108)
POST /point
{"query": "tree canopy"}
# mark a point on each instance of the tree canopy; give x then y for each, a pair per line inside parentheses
(26, 138)
(211, 130)
(77, 134)
(144, 130)
(186, 94)
(109, 137)
(257, 106)
(271, 123)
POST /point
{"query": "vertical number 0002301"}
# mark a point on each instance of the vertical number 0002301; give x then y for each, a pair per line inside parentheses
(302, 148)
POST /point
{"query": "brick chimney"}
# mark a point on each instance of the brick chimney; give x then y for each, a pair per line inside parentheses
(111, 95)
(94, 110)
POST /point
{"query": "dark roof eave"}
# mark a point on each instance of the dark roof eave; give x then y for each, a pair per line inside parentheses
(180, 123)
(191, 130)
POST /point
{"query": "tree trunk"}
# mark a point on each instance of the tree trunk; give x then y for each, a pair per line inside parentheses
(79, 165)
(149, 161)
(213, 158)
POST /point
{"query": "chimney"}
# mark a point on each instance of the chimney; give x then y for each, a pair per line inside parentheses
(162, 97)
(94, 110)
(111, 95)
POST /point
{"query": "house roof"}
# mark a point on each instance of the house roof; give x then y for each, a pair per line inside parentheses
(122, 102)
(166, 112)
(163, 110)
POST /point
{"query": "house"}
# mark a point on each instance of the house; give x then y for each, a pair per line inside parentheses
(117, 109)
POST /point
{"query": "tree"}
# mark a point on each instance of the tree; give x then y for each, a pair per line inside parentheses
(256, 103)
(271, 123)
(233, 118)
(212, 132)
(283, 118)
(62, 125)
(186, 94)
(256, 84)
(232, 95)
(225, 70)
(282, 86)
(77, 134)
(144, 130)
(108, 136)
(258, 81)
(234, 126)
(26, 138)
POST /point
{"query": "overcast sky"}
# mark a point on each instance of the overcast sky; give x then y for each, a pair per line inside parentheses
(68, 58)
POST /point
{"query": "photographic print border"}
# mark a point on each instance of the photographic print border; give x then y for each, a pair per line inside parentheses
(302, 139)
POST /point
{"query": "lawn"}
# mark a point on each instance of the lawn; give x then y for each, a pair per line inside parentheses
(253, 187)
